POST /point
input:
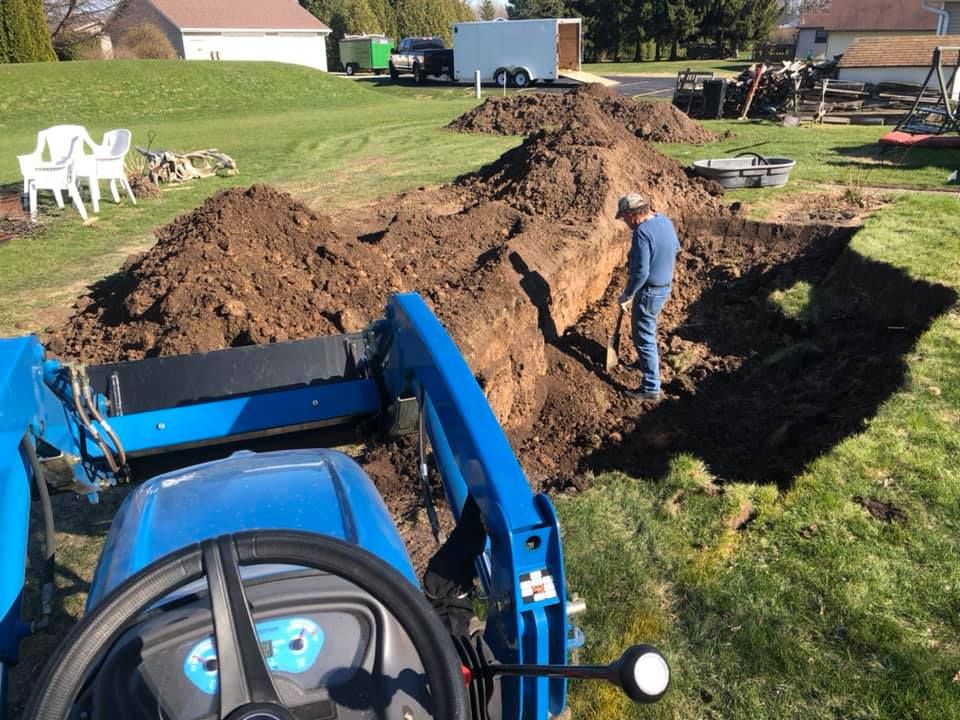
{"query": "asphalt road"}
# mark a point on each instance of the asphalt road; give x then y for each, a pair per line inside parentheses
(644, 85)
(650, 86)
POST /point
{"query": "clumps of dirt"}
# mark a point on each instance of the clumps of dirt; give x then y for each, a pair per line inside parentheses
(882, 511)
(142, 187)
(532, 112)
(247, 267)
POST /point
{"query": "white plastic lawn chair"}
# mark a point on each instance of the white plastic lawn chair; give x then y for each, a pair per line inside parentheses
(107, 163)
(65, 145)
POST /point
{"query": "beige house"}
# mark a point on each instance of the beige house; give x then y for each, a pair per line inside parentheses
(277, 30)
(904, 59)
(828, 34)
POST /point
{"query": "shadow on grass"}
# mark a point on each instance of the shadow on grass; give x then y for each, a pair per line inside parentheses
(897, 157)
(775, 392)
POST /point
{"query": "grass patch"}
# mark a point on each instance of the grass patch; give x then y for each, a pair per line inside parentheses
(815, 609)
(848, 156)
(796, 302)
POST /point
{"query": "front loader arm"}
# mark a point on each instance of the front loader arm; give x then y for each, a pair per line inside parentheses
(527, 621)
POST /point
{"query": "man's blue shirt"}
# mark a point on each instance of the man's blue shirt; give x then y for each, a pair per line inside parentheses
(652, 254)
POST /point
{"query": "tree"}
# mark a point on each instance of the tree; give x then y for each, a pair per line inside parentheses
(76, 22)
(386, 16)
(4, 50)
(487, 10)
(26, 31)
(523, 9)
(345, 17)
(424, 17)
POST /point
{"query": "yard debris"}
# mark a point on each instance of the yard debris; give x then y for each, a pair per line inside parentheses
(796, 90)
(167, 166)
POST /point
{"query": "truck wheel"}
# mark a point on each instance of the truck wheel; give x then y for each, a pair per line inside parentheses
(521, 78)
(418, 75)
(394, 75)
(351, 69)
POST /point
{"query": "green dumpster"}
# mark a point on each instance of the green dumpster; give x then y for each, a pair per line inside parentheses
(365, 52)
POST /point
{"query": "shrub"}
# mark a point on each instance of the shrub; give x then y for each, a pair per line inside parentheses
(145, 42)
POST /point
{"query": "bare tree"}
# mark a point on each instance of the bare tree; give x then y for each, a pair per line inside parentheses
(72, 22)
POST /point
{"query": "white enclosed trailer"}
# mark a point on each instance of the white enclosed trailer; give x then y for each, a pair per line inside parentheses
(518, 51)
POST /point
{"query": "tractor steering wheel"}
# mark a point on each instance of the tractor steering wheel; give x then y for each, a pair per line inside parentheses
(247, 691)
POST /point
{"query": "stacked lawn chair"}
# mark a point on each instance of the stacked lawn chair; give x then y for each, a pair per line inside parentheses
(67, 160)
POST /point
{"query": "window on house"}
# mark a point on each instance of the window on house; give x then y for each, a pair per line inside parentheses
(821, 37)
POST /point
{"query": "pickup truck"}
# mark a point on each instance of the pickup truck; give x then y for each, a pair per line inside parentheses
(421, 57)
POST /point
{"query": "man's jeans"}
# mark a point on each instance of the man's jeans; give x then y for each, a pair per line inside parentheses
(646, 306)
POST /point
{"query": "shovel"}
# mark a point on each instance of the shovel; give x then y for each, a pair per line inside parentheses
(613, 345)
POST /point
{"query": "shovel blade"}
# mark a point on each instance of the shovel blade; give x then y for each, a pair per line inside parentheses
(613, 346)
(612, 359)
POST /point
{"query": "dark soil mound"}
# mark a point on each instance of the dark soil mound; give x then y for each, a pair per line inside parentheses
(531, 112)
(569, 172)
(249, 266)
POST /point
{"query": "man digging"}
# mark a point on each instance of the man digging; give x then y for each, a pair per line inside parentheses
(653, 249)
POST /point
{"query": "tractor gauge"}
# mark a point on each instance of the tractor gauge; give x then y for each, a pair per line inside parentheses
(289, 645)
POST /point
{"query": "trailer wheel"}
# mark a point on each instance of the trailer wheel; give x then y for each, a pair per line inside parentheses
(521, 78)
(351, 68)
(501, 76)
(394, 75)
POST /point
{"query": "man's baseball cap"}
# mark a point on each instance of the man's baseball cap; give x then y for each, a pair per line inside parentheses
(630, 203)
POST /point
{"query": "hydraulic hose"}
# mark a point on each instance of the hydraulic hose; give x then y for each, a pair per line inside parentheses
(49, 535)
(88, 426)
(92, 406)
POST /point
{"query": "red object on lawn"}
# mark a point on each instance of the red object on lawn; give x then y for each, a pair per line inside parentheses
(898, 137)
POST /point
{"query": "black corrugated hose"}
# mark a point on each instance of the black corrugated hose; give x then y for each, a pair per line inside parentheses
(49, 535)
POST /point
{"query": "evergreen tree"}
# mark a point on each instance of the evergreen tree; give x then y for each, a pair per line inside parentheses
(25, 27)
(345, 17)
(424, 17)
(386, 16)
(459, 11)
(523, 9)
(4, 50)
(488, 11)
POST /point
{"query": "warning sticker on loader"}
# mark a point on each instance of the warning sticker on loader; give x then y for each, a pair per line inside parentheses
(537, 586)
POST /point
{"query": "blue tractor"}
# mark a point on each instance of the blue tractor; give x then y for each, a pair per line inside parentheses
(274, 585)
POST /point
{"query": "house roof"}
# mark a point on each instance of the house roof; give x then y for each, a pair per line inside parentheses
(898, 51)
(238, 14)
(854, 15)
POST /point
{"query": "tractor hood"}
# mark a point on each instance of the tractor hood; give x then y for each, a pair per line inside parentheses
(320, 491)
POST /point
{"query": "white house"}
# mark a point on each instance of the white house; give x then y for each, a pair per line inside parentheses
(828, 34)
(905, 59)
(278, 30)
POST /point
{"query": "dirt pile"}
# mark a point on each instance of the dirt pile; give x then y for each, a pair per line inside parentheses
(531, 112)
(249, 266)
(499, 255)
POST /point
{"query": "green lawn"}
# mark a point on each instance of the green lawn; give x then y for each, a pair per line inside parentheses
(723, 68)
(815, 610)
(329, 140)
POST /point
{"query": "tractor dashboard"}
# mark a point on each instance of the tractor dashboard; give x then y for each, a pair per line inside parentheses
(333, 652)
